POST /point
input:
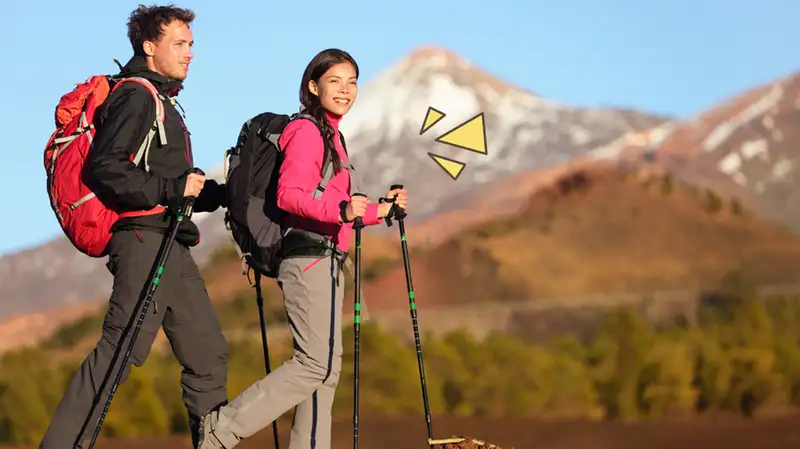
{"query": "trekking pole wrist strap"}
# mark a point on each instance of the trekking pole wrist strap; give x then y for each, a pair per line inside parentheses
(343, 211)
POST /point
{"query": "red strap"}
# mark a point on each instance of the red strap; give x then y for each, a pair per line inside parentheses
(139, 213)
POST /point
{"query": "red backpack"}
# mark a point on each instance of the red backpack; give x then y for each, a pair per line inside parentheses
(85, 220)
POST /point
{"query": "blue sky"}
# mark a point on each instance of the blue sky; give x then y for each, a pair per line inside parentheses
(676, 57)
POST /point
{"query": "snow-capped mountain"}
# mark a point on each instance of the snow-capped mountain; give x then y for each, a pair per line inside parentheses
(524, 132)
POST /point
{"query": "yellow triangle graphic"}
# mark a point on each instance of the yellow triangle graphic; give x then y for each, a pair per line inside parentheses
(470, 135)
(452, 167)
(432, 117)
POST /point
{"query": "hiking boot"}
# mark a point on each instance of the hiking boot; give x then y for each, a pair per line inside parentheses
(205, 432)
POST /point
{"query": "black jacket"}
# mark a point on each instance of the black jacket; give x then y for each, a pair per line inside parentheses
(122, 123)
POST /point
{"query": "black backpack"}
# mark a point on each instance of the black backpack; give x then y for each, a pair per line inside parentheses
(253, 218)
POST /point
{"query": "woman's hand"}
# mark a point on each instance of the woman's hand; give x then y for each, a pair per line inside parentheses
(357, 207)
(401, 201)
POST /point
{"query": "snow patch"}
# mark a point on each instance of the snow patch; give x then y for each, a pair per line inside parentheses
(731, 163)
(740, 179)
(531, 136)
(646, 140)
(753, 148)
(781, 169)
(488, 93)
(659, 134)
(510, 109)
(723, 131)
(437, 61)
(579, 135)
(609, 151)
(768, 122)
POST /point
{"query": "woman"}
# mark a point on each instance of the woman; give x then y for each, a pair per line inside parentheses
(310, 278)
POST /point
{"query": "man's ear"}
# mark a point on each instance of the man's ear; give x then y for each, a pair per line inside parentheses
(149, 48)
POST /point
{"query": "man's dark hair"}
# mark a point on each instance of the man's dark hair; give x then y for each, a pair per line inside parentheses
(146, 22)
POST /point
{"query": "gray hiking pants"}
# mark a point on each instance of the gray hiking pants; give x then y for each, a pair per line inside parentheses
(313, 290)
(181, 305)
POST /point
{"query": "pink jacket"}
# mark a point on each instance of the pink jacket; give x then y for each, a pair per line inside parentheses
(300, 170)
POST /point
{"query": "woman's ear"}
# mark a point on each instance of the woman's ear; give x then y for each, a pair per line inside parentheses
(312, 87)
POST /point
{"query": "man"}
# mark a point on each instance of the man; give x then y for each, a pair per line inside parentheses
(161, 41)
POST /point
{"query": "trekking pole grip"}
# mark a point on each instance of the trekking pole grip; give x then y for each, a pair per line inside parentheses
(188, 202)
(358, 223)
(397, 212)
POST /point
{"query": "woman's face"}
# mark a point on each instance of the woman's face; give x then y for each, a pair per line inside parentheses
(337, 88)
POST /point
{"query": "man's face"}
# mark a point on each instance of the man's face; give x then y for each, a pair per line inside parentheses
(172, 52)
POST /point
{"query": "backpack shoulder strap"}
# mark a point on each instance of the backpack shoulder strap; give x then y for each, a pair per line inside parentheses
(327, 162)
(344, 145)
(158, 123)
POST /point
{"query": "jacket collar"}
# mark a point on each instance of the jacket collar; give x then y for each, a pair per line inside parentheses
(137, 66)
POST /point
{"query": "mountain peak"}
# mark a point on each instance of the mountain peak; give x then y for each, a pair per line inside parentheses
(437, 56)
(431, 60)
(394, 102)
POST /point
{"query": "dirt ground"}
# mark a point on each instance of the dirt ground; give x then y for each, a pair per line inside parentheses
(719, 433)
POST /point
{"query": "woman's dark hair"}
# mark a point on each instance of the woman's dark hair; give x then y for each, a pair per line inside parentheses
(323, 61)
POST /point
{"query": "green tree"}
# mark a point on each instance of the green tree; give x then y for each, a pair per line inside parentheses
(666, 380)
(571, 392)
(30, 383)
(787, 366)
(712, 374)
(137, 408)
(618, 355)
(388, 378)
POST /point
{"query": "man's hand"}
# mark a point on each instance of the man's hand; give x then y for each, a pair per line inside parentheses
(357, 207)
(401, 201)
(194, 185)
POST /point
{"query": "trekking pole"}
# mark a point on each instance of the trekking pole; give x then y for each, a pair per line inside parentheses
(399, 214)
(260, 301)
(152, 283)
(358, 224)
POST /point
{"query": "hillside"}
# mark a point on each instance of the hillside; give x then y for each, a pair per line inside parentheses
(745, 146)
(600, 231)
(582, 229)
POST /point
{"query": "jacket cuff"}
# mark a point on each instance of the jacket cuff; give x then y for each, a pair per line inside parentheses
(174, 192)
